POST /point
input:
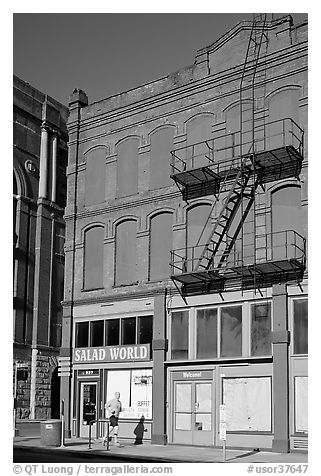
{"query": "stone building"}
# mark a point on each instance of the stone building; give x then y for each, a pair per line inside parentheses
(186, 220)
(39, 195)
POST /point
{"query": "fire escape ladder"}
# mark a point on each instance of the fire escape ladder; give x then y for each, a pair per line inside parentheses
(222, 223)
(251, 196)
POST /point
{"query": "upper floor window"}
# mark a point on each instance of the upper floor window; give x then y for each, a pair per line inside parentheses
(94, 258)
(198, 130)
(110, 332)
(95, 176)
(161, 144)
(261, 329)
(127, 167)
(161, 242)
(126, 252)
(300, 326)
(198, 231)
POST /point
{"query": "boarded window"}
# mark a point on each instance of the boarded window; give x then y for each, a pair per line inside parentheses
(161, 144)
(248, 403)
(126, 252)
(127, 167)
(286, 219)
(300, 326)
(261, 329)
(161, 240)
(233, 131)
(301, 404)
(283, 105)
(95, 176)
(94, 258)
(179, 335)
(231, 331)
(198, 130)
(206, 334)
(198, 231)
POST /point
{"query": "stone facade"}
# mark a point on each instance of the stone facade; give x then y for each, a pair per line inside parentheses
(40, 150)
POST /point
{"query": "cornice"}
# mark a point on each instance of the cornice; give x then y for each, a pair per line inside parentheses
(198, 86)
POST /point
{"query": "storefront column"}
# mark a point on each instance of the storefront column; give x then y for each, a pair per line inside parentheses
(43, 163)
(159, 436)
(280, 343)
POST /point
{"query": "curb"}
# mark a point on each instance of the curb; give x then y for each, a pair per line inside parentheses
(94, 453)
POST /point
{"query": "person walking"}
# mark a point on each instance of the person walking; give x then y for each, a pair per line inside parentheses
(113, 407)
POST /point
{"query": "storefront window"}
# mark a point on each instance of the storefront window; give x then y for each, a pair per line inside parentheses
(145, 330)
(96, 333)
(82, 334)
(206, 333)
(248, 403)
(231, 331)
(128, 333)
(261, 329)
(112, 332)
(300, 326)
(179, 335)
(135, 388)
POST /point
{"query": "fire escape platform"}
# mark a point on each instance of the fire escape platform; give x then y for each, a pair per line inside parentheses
(273, 164)
(230, 278)
(285, 261)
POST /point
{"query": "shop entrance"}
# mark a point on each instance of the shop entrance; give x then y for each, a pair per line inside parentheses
(193, 415)
(88, 407)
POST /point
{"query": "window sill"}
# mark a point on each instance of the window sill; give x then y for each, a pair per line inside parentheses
(83, 290)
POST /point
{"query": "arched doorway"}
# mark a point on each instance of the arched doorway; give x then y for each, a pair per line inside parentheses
(55, 394)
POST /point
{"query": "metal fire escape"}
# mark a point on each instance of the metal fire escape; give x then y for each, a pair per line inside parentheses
(231, 167)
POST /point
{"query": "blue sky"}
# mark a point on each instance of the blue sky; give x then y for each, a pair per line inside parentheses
(107, 53)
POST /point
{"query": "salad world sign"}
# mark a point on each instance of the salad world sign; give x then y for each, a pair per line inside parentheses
(119, 353)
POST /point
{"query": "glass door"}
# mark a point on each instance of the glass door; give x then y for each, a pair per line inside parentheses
(193, 413)
(88, 408)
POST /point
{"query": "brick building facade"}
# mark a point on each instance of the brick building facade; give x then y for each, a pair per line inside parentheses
(143, 196)
(39, 195)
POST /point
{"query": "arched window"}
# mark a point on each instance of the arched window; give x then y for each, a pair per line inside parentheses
(286, 216)
(161, 242)
(161, 144)
(95, 176)
(282, 105)
(197, 232)
(126, 252)
(94, 258)
(233, 128)
(127, 167)
(198, 130)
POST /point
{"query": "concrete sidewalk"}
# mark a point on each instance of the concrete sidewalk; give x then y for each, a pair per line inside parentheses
(169, 453)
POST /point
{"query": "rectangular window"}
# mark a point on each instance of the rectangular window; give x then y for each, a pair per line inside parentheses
(231, 331)
(206, 333)
(128, 331)
(135, 388)
(261, 329)
(96, 333)
(179, 335)
(300, 326)
(248, 403)
(82, 334)
(301, 404)
(145, 330)
(112, 331)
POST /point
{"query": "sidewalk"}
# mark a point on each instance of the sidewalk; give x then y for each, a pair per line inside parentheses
(169, 453)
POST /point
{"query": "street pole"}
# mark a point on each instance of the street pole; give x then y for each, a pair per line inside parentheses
(62, 411)
(15, 431)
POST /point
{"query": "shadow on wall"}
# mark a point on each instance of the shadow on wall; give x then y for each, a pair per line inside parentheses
(139, 431)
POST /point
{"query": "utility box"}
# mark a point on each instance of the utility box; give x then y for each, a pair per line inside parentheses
(50, 432)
